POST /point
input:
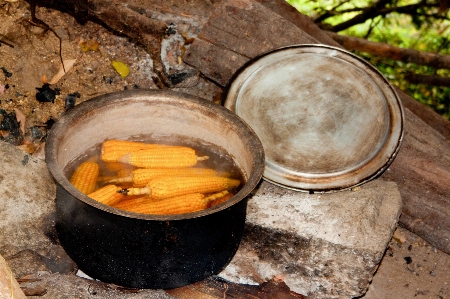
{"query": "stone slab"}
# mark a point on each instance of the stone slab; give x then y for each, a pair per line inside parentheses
(26, 198)
(324, 245)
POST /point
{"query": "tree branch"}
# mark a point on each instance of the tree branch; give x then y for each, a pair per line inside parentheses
(384, 50)
(373, 24)
(434, 80)
(334, 12)
(367, 13)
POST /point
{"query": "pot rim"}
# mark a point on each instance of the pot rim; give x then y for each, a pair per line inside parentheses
(105, 100)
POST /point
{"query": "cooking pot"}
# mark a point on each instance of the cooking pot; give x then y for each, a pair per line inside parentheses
(150, 251)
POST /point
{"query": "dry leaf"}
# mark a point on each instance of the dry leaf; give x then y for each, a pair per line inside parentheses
(121, 68)
(399, 237)
(90, 45)
(9, 287)
(39, 152)
(4, 134)
(68, 64)
(20, 118)
(28, 147)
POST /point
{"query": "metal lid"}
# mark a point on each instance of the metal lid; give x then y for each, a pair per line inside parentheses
(327, 119)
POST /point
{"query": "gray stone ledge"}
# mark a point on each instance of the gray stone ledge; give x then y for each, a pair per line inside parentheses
(324, 245)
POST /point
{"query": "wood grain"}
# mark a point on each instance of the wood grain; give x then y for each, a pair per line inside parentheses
(237, 31)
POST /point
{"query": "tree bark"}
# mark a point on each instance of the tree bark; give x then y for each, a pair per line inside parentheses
(384, 50)
(426, 114)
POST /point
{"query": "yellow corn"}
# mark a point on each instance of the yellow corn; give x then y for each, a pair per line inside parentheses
(85, 177)
(216, 196)
(168, 157)
(220, 200)
(105, 179)
(165, 187)
(113, 149)
(125, 172)
(107, 195)
(175, 205)
(140, 177)
(117, 166)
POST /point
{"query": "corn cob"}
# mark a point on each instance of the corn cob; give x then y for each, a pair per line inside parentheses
(85, 177)
(105, 179)
(117, 166)
(216, 196)
(169, 157)
(107, 195)
(113, 149)
(124, 172)
(220, 200)
(175, 205)
(165, 187)
(140, 177)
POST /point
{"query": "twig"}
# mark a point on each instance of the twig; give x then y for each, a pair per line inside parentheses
(226, 290)
(11, 283)
(373, 24)
(38, 22)
(6, 43)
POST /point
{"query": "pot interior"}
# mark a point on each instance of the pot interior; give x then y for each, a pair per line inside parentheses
(158, 115)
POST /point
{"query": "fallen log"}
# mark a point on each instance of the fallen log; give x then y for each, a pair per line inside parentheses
(422, 172)
(422, 167)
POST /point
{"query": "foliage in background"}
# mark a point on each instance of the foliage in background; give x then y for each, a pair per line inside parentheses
(416, 31)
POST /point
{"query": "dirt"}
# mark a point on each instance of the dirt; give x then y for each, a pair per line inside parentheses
(411, 268)
(30, 57)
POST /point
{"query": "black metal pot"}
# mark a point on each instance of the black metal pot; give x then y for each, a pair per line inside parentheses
(149, 251)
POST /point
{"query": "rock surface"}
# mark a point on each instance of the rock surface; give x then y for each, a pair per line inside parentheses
(26, 204)
(325, 245)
